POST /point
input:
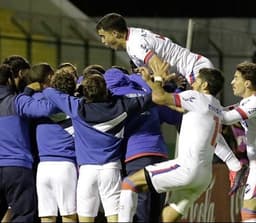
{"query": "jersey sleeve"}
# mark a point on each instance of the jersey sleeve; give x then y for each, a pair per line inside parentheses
(245, 110)
(26, 105)
(189, 100)
(66, 103)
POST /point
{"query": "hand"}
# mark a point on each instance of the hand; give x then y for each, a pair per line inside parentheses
(145, 72)
(162, 70)
(237, 179)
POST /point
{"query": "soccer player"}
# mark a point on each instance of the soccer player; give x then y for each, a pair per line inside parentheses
(146, 48)
(190, 173)
(98, 121)
(56, 147)
(244, 86)
(143, 139)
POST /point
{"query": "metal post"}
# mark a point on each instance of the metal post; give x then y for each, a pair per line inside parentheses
(189, 34)
(188, 45)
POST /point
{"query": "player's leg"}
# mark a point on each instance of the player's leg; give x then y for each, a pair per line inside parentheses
(47, 203)
(88, 200)
(85, 219)
(65, 184)
(21, 193)
(248, 212)
(109, 189)
(181, 200)
(150, 203)
(169, 214)
(131, 186)
(51, 219)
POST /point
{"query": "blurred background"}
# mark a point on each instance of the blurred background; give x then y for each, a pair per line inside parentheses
(58, 31)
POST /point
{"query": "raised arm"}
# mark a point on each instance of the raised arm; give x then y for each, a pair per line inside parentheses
(155, 81)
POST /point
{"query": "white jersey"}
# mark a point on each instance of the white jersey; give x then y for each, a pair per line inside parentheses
(141, 44)
(190, 173)
(245, 112)
(200, 127)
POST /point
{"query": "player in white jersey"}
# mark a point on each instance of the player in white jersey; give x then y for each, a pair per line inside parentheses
(244, 86)
(190, 173)
(146, 48)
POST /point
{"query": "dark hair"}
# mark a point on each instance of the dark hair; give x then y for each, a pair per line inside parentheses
(112, 21)
(214, 78)
(39, 72)
(94, 88)
(64, 81)
(5, 73)
(93, 69)
(17, 63)
(248, 72)
(68, 65)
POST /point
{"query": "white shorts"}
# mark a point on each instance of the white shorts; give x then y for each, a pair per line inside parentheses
(56, 183)
(187, 183)
(98, 183)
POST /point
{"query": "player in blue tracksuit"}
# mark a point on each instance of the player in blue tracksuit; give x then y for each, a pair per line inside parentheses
(143, 138)
(56, 150)
(17, 186)
(98, 120)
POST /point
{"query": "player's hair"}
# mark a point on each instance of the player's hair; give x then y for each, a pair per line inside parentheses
(94, 88)
(64, 81)
(64, 65)
(5, 73)
(17, 63)
(214, 78)
(112, 21)
(92, 69)
(248, 72)
(40, 72)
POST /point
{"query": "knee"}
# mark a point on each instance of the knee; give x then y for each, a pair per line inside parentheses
(128, 184)
(248, 212)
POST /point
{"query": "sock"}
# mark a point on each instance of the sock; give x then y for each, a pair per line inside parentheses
(127, 206)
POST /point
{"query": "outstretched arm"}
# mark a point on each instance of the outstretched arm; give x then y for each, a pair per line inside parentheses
(159, 95)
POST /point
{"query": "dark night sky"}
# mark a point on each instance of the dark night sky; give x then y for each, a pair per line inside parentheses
(169, 8)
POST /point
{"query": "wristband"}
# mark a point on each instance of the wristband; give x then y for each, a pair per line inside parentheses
(158, 79)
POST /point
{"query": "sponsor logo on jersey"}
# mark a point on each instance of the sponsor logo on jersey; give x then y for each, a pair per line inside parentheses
(214, 109)
(191, 99)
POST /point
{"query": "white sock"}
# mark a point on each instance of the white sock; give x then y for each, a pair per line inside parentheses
(127, 205)
(233, 163)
